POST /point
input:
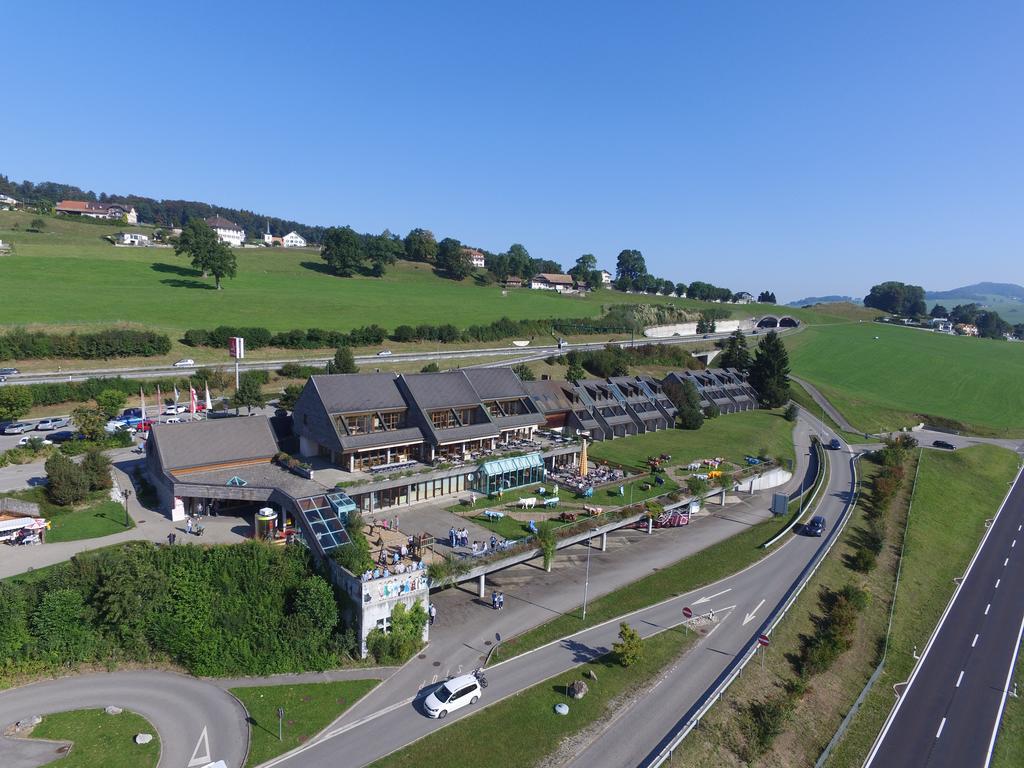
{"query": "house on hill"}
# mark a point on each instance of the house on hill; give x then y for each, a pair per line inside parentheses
(476, 257)
(92, 210)
(293, 240)
(743, 298)
(8, 203)
(227, 231)
(606, 277)
(547, 281)
(132, 238)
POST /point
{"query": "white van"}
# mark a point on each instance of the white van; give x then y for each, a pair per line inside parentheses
(453, 694)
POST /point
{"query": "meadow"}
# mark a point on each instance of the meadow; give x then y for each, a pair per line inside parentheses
(884, 377)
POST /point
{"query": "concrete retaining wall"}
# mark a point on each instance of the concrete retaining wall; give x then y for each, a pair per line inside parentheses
(690, 329)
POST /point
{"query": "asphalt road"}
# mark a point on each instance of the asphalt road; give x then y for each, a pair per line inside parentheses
(949, 713)
(198, 722)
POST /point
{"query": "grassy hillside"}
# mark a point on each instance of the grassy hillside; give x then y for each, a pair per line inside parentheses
(68, 275)
(906, 376)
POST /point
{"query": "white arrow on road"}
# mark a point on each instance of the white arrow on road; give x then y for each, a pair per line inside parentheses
(750, 616)
(712, 597)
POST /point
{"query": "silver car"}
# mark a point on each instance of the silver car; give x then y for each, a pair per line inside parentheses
(18, 427)
(52, 423)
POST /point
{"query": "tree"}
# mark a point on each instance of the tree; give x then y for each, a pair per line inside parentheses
(37, 224)
(706, 323)
(420, 245)
(1018, 330)
(452, 260)
(90, 422)
(965, 313)
(524, 372)
(769, 373)
(15, 402)
(630, 648)
(585, 264)
(630, 265)
(686, 399)
(404, 637)
(735, 353)
(681, 289)
(250, 391)
(66, 482)
(344, 361)
(289, 396)
(939, 311)
(60, 626)
(697, 487)
(991, 325)
(792, 412)
(198, 241)
(222, 263)
(110, 402)
(45, 206)
(14, 634)
(315, 607)
(383, 250)
(897, 298)
(766, 297)
(96, 468)
(343, 251)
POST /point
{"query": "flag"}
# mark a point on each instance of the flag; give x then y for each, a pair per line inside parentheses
(209, 405)
(192, 399)
(142, 400)
(175, 394)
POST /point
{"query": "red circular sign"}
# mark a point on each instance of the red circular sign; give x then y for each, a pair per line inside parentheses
(687, 612)
(762, 640)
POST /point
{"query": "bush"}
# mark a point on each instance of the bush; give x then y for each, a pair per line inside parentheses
(630, 648)
(404, 638)
(96, 468)
(67, 482)
(20, 344)
(791, 412)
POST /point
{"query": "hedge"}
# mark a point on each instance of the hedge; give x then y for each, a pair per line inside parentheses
(20, 344)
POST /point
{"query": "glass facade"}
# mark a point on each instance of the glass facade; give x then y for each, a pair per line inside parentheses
(504, 474)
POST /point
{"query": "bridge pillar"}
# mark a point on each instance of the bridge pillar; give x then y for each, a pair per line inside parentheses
(604, 541)
(481, 586)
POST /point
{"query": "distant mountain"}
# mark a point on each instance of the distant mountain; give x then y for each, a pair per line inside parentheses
(823, 300)
(980, 292)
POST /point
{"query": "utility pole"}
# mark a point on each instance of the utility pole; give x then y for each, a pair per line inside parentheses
(586, 582)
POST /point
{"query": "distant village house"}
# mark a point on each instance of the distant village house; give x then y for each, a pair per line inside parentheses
(93, 210)
(547, 281)
(227, 231)
(475, 256)
(132, 238)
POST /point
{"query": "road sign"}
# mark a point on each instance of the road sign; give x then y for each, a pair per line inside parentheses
(762, 640)
(236, 347)
(688, 612)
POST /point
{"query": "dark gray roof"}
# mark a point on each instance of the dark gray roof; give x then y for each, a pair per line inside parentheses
(358, 392)
(269, 476)
(441, 390)
(495, 383)
(549, 395)
(471, 432)
(217, 441)
(381, 439)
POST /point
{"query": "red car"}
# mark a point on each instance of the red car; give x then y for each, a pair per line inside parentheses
(143, 426)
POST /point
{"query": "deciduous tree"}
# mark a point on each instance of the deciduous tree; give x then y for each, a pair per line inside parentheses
(15, 402)
(344, 251)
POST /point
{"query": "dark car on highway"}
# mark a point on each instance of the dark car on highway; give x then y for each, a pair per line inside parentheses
(944, 445)
(816, 527)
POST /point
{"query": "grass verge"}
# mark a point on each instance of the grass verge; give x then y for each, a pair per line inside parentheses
(99, 739)
(308, 709)
(477, 740)
(1010, 744)
(955, 494)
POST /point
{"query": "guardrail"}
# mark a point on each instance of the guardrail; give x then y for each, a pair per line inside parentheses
(819, 483)
(692, 718)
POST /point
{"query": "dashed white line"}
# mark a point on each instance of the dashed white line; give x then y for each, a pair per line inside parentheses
(1005, 562)
(974, 642)
(960, 678)
(987, 606)
(1013, 544)
(997, 583)
(941, 726)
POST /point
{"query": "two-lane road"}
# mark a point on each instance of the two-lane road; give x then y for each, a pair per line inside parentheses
(948, 716)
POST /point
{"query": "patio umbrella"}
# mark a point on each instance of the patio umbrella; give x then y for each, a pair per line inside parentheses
(583, 459)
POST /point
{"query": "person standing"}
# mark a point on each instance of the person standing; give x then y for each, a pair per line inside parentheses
(494, 599)
(170, 538)
(433, 613)
(188, 524)
(451, 536)
(501, 600)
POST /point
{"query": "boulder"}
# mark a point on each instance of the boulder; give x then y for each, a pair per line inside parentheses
(112, 710)
(29, 722)
(578, 689)
(143, 738)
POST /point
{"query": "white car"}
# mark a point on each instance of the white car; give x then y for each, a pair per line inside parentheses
(52, 423)
(187, 362)
(114, 426)
(384, 353)
(174, 410)
(27, 438)
(453, 694)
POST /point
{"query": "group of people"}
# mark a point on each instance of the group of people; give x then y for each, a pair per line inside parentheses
(497, 600)
(382, 572)
(458, 537)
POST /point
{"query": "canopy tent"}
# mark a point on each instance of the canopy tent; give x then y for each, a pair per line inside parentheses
(18, 523)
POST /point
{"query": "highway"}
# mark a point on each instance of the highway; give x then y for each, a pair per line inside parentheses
(950, 711)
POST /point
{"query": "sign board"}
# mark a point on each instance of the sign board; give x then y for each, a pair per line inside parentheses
(236, 347)
(780, 503)
(688, 612)
(762, 640)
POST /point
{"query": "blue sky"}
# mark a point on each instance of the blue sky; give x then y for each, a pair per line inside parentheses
(804, 147)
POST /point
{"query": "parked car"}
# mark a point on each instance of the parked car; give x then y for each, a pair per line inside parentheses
(18, 427)
(816, 527)
(115, 425)
(129, 413)
(944, 445)
(65, 436)
(54, 422)
(29, 438)
(143, 425)
(384, 353)
(451, 695)
(9, 371)
(174, 410)
(186, 362)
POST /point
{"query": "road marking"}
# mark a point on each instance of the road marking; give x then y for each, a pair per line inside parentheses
(204, 758)
(997, 583)
(1013, 544)
(941, 726)
(974, 641)
(987, 606)
(750, 616)
(960, 678)
(1005, 562)
(711, 597)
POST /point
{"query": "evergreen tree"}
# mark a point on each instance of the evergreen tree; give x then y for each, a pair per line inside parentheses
(96, 467)
(769, 373)
(735, 353)
(686, 399)
(67, 483)
(344, 361)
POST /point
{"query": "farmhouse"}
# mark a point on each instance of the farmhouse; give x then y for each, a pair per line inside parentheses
(94, 210)
(227, 231)
(606, 277)
(547, 281)
(293, 240)
(7, 203)
(743, 298)
(132, 238)
(475, 257)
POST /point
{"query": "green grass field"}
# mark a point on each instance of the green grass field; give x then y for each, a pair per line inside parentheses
(99, 739)
(97, 516)
(308, 709)
(906, 376)
(955, 494)
(733, 437)
(89, 282)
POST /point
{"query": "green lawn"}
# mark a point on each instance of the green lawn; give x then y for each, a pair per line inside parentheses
(956, 493)
(92, 283)
(100, 739)
(308, 709)
(733, 437)
(529, 718)
(97, 516)
(907, 376)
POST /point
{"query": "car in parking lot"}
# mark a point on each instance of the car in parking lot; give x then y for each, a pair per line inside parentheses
(18, 427)
(29, 438)
(174, 410)
(816, 527)
(944, 445)
(65, 436)
(116, 425)
(131, 413)
(185, 362)
(143, 425)
(52, 423)
(451, 695)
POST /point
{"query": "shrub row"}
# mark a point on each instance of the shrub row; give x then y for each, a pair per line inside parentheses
(82, 391)
(884, 487)
(20, 344)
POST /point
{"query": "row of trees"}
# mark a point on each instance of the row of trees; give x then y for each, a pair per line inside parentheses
(21, 344)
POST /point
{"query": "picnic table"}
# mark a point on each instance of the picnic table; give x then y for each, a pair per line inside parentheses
(493, 514)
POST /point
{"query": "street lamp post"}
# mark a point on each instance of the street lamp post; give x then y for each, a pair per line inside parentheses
(586, 581)
(127, 493)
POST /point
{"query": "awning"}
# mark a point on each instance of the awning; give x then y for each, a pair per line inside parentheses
(511, 464)
(16, 524)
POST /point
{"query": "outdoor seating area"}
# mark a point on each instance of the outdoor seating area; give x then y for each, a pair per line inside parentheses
(596, 476)
(397, 553)
(384, 469)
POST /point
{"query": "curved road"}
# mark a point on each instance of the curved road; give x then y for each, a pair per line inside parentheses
(198, 722)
